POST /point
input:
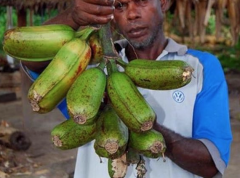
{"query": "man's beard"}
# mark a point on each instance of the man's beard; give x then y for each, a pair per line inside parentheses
(147, 42)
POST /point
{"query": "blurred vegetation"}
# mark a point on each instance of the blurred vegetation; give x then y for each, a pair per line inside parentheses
(229, 56)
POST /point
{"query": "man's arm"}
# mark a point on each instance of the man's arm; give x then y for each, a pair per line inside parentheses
(63, 18)
(189, 154)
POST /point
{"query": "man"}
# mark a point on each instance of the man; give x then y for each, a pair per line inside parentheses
(194, 119)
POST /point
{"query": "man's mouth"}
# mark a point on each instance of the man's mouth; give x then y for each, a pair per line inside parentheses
(137, 32)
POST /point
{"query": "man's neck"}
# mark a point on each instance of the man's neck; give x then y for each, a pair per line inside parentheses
(150, 53)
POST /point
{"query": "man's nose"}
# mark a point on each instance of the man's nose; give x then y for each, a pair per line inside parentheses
(133, 11)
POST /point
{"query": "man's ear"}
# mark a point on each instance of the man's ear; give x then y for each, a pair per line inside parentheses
(165, 5)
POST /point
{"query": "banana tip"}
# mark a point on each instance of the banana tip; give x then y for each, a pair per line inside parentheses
(56, 141)
(80, 119)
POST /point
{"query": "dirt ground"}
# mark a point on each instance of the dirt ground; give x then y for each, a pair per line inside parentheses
(43, 160)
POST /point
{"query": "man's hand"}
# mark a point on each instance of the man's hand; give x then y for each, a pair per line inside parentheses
(190, 154)
(92, 12)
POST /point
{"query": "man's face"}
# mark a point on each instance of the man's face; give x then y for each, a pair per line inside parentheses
(140, 21)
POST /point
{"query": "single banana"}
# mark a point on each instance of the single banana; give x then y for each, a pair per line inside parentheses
(129, 104)
(151, 143)
(97, 51)
(159, 75)
(69, 135)
(91, 35)
(54, 82)
(36, 43)
(85, 95)
(112, 135)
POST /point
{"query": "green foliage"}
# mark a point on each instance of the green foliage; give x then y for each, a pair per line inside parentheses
(210, 29)
(2, 21)
(230, 58)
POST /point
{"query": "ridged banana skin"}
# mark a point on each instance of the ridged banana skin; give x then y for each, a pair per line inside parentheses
(36, 43)
(54, 82)
(85, 96)
(159, 75)
(69, 135)
(112, 135)
(151, 143)
(129, 104)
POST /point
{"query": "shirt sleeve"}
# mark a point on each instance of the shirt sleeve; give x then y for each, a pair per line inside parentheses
(62, 106)
(211, 119)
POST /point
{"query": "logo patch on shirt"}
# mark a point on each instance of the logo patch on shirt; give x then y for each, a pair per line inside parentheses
(178, 96)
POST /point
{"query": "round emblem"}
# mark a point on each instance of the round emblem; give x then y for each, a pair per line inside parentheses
(178, 96)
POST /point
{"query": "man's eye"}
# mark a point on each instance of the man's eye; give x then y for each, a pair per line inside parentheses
(118, 5)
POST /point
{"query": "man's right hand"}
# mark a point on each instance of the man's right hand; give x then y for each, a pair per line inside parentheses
(92, 12)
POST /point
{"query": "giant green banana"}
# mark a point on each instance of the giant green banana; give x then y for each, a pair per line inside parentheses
(54, 82)
(85, 95)
(69, 135)
(36, 43)
(159, 75)
(129, 104)
(112, 134)
(151, 143)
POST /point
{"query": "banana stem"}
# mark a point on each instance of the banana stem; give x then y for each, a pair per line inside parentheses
(102, 64)
(85, 33)
(112, 66)
(107, 42)
(121, 62)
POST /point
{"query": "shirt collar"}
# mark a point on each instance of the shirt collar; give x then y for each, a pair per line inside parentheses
(172, 47)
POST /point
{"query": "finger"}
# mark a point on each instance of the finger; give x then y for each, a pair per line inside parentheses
(98, 9)
(90, 19)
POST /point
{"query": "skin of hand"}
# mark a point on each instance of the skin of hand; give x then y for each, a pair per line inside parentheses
(92, 12)
(190, 154)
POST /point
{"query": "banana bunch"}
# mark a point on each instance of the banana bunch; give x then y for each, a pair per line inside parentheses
(105, 108)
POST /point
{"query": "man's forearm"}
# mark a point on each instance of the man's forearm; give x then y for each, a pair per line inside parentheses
(189, 154)
(63, 18)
